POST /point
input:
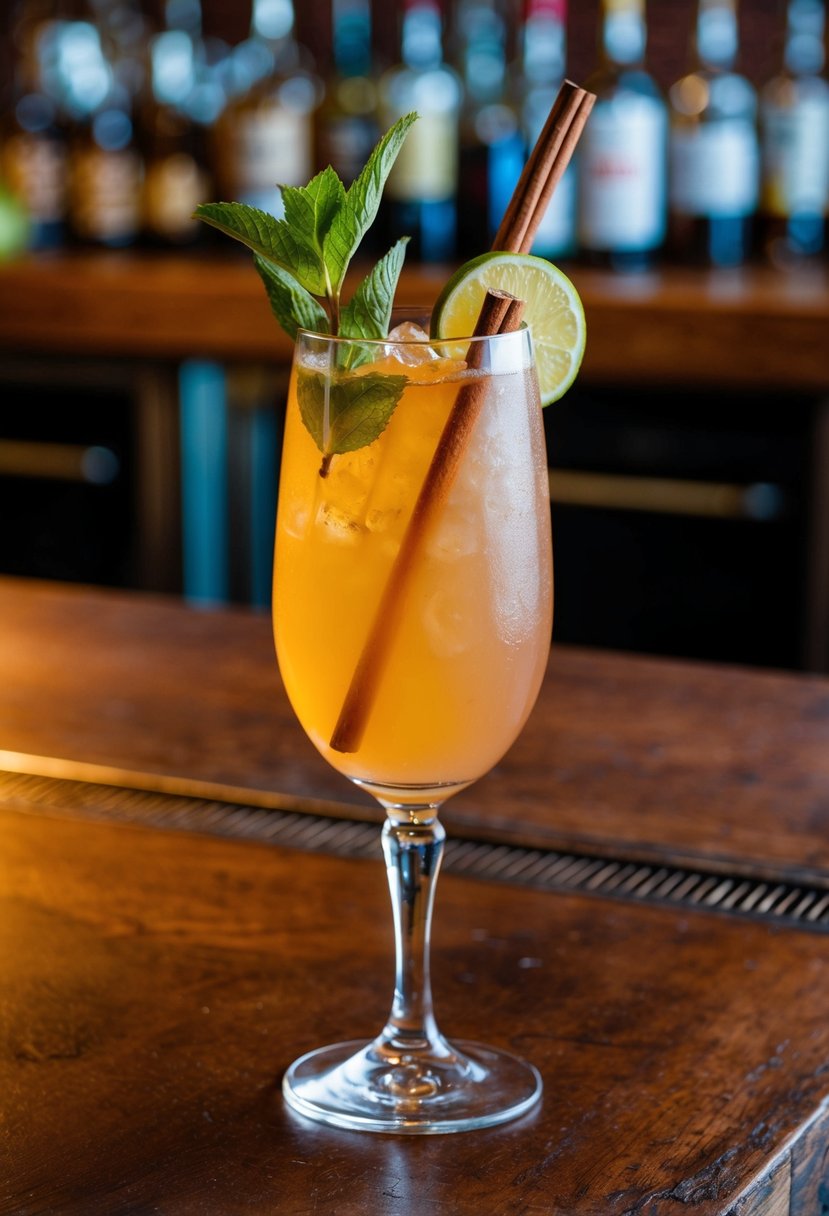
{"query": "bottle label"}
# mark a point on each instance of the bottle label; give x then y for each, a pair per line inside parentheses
(715, 169)
(426, 168)
(613, 7)
(622, 172)
(173, 187)
(104, 194)
(555, 9)
(264, 147)
(796, 158)
(35, 169)
(556, 232)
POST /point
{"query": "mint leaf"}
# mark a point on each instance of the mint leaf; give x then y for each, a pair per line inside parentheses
(290, 303)
(310, 212)
(363, 196)
(345, 414)
(368, 312)
(365, 192)
(271, 238)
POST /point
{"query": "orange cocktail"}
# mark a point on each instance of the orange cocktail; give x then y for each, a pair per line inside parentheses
(413, 570)
(472, 636)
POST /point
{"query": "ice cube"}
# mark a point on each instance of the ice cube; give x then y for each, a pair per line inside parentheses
(348, 486)
(416, 349)
(378, 520)
(295, 518)
(339, 525)
(452, 619)
(455, 535)
(408, 331)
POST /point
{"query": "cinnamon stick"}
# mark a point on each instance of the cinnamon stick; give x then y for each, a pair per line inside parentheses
(541, 174)
(544, 168)
(501, 313)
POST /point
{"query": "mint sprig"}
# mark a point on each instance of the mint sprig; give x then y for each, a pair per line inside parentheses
(322, 229)
(302, 260)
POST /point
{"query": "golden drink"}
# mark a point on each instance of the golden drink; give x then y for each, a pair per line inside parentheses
(471, 640)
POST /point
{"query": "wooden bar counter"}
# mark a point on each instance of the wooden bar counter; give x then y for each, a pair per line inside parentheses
(637, 899)
(748, 328)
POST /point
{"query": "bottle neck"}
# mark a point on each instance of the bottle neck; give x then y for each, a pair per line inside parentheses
(172, 67)
(804, 53)
(544, 43)
(623, 35)
(421, 44)
(183, 15)
(482, 54)
(76, 71)
(716, 38)
(272, 20)
(352, 37)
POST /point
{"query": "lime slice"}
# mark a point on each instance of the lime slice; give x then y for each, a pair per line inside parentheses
(552, 311)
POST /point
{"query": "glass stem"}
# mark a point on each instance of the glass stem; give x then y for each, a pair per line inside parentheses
(413, 848)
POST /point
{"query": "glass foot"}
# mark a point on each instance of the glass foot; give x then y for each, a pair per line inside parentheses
(377, 1088)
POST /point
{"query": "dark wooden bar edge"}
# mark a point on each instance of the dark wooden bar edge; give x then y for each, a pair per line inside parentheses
(229, 800)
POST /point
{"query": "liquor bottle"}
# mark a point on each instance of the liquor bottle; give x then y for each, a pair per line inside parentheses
(264, 138)
(794, 109)
(543, 61)
(622, 208)
(105, 167)
(32, 136)
(421, 189)
(491, 146)
(347, 120)
(175, 179)
(714, 150)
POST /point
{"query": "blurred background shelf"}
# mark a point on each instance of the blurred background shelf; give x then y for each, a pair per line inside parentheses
(689, 466)
(142, 377)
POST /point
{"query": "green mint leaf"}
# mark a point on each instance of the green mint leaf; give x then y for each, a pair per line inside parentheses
(349, 413)
(368, 312)
(363, 196)
(310, 212)
(270, 238)
(290, 303)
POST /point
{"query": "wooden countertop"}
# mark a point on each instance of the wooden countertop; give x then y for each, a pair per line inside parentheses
(659, 757)
(750, 327)
(159, 971)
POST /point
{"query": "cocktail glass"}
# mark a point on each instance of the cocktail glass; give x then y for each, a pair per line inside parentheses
(464, 648)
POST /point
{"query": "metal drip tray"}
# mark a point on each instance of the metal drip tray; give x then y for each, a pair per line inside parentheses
(802, 904)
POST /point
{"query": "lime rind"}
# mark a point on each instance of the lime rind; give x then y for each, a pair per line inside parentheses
(553, 311)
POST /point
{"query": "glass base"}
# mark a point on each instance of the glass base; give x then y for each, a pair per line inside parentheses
(376, 1088)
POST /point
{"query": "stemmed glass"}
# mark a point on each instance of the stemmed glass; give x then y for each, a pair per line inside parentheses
(443, 671)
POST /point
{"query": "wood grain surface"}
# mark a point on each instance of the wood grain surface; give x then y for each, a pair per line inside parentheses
(155, 986)
(668, 760)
